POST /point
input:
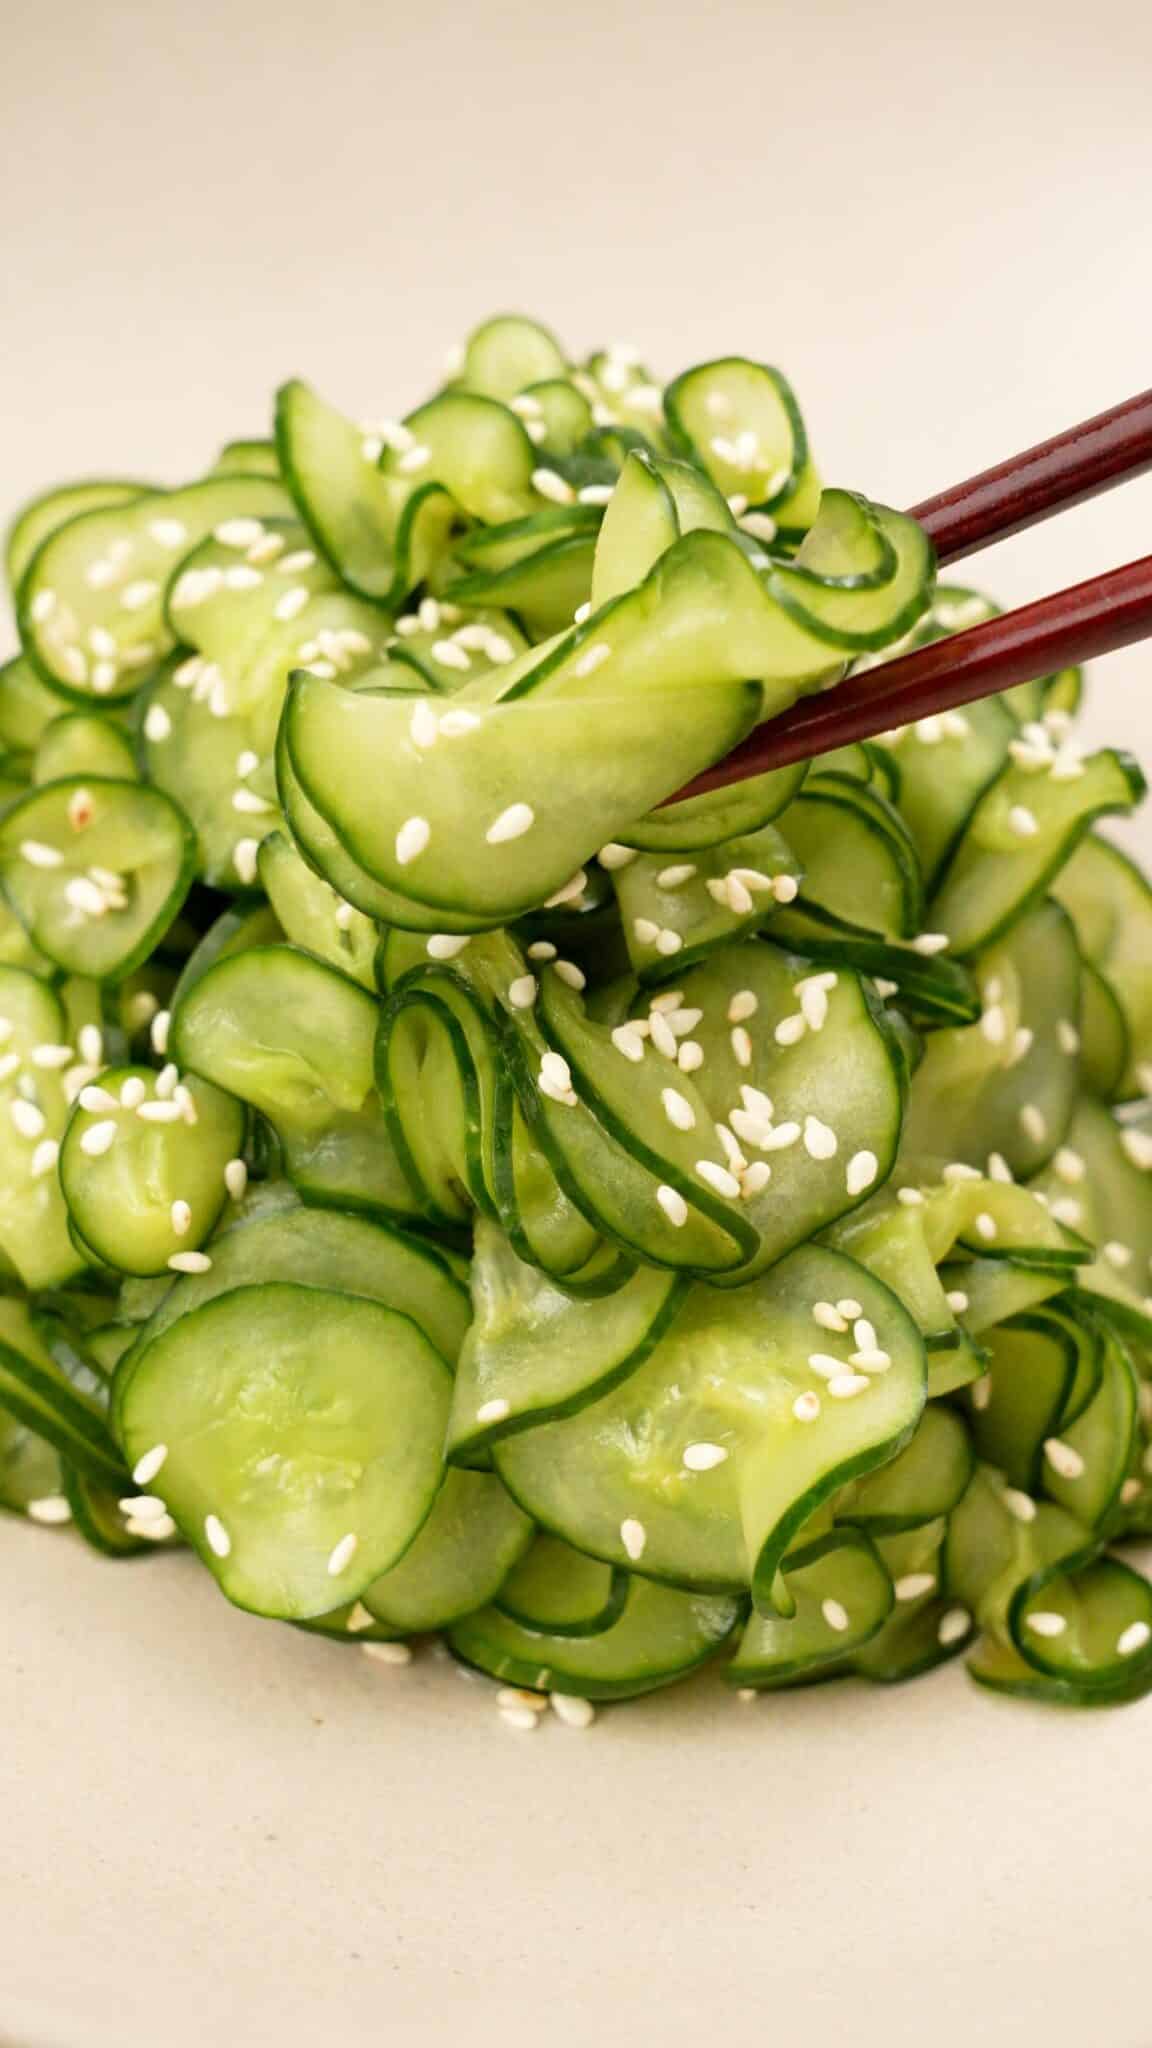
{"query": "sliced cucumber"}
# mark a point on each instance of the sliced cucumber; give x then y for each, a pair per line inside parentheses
(458, 1561)
(842, 1595)
(661, 1636)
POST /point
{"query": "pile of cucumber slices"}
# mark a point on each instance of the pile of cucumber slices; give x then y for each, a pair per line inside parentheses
(452, 1188)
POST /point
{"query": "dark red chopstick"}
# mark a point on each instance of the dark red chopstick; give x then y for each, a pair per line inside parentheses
(1074, 625)
(1092, 457)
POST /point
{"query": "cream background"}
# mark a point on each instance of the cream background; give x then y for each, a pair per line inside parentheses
(939, 226)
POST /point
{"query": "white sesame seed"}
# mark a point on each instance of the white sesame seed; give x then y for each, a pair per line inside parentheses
(959, 1170)
(450, 654)
(1043, 1623)
(674, 877)
(522, 992)
(1130, 1491)
(628, 1041)
(143, 1507)
(828, 1316)
(612, 856)
(994, 1025)
(718, 1178)
(741, 1045)
(678, 1109)
(591, 659)
(820, 1141)
(1138, 1148)
(662, 1035)
(568, 1707)
(85, 896)
(236, 1179)
(190, 1262)
(157, 724)
(673, 1204)
(1135, 1637)
(785, 888)
(1068, 1036)
(511, 824)
(1063, 1459)
(1022, 822)
(145, 1469)
(387, 1653)
(245, 859)
(42, 606)
(44, 1158)
(133, 1092)
(846, 1385)
(135, 596)
(518, 1717)
(181, 1217)
(668, 942)
(861, 1171)
(754, 1179)
(634, 1536)
(552, 486)
(51, 1510)
(423, 726)
(542, 949)
(568, 892)
(101, 641)
(825, 1364)
(96, 1099)
(292, 603)
(781, 1138)
(39, 855)
(1117, 1254)
(1033, 1122)
(216, 1536)
(981, 1392)
(913, 1585)
(957, 1300)
(690, 1056)
(555, 1072)
(413, 459)
(704, 1457)
(790, 1030)
(986, 1226)
(445, 945)
(571, 974)
(835, 1615)
(929, 943)
(342, 1555)
(27, 1120)
(237, 533)
(250, 805)
(744, 1004)
(411, 839)
(1021, 1505)
(1069, 1166)
(10, 1064)
(806, 1407)
(953, 1625)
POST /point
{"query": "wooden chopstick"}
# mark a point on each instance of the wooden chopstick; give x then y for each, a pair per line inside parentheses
(1101, 452)
(1091, 618)
(1074, 625)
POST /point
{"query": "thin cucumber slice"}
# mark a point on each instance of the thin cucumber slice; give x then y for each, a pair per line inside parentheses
(831, 586)
(1105, 1040)
(1104, 1646)
(1109, 1199)
(96, 870)
(293, 1038)
(1110, 903)
(142, 1192)
(43, 515)
(91, 603)
(698, 1468)
(859, 865)
(33, 1112)
(725, 892)
(295, 1420)
(557, 1590)
(662, 1635)
(99, 1519)
(234, 931)
(380, 535)
(994, 1219)
(544, 589)
(995, 1289)
(30, 1467)
(458, 1561)
(534, 1352)
(34, 1392)
(1008, 1083)
(932, 990)
(80, 744)
(924, 1481)
(557, 415)
(313, 916)
(516, 540)
(640, 523)
(702, 821)
(944, 766)
(1034, 1365)
(1104, 1437)
(1018, 837)
(508, 353)
(842, 1595)
(476, 449)
(27, 707)
(739, 422)
(444, 643)
(247, 458)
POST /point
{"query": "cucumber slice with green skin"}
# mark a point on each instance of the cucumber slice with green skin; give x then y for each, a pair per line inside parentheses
(459, 1559)
(544, 589)
(247, 458)
(381, 536)
(1103, 1648)
(111, 864)
(1110, 903)
(544, 1227)
(923, 1482)
(557, 415)
(338, 741)
(945, 765)
(703, 821)
(1109, 1199)
(233, 932)
(640, 524)
(925, 1627)
(1105, 1041)
(559, 1591)
(720, 1387)
(890, 1240)
(33, 1110)
(443, 643)
(995, 1289)
(476, 449)
(341, 1254)
(516, 540)
(44, 515)
(739, 422)
(662, 1635)
(535, 1352)
(1008, 1083)
(294, 1419)
(839, 584)
(1017, 839)
(934, 991)
(98, 1518)
(425, 1054)
(91, 603)
(30, 1467)
(724, 893)
(994, 1219)
(859, 865)
(79, 744)
(27, 707)
(845, 1062)
(36, 1393)
(1035, 1367)
(155, 1189)
(313, 916)
(293, 1038)
(507, 354)
(843, 1596)
(1105, 1437)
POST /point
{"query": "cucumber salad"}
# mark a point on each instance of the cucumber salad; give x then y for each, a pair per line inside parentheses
(454, 1185)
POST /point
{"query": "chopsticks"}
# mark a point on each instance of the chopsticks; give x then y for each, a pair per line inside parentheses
(1096, 617)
